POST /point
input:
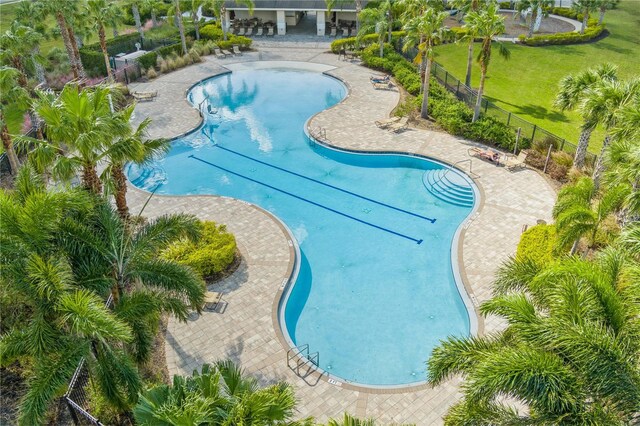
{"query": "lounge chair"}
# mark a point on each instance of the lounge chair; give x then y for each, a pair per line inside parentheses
(345, 32)
(219, 53)
(383, 86)
(485, 154)
(259, 31)
(354, 32)
(383, 124)
(144, 96)
(378, 79)
(513, 163)
(232, 30)
(249, 32)
(241, 32)
(226, 52)
(270, 32)
(399, 126)
(212, 299)
(236, 50)
(333, 31)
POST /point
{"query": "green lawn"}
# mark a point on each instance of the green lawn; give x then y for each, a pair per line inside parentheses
(527, 83)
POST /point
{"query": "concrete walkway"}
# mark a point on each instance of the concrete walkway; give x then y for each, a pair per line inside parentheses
(247, 330)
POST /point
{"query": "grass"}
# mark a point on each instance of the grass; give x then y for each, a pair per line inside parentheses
(526, 84)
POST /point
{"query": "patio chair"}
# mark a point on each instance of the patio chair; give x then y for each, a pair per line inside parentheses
(513, 163)
(249, 32)
(354, 32)
(270, 32)
(379, 79)
(226, 52)
(212, 299)
(345, 32)
(242, 30)
(383, 85)
(144, 96)
(383, 124)
(485, 154)
(333, 31)
(219, 53)
(399, 126)
(232, 30)
(236, 50)
(259, 31)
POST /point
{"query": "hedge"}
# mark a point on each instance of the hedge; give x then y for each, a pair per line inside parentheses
(214, 32)
(125, 43)
(93, 62)
(210, 255)
(452, 115)
(538, 244)
(366, 40)
(563, 38)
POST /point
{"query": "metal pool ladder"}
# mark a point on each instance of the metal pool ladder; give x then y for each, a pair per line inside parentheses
(301, 357)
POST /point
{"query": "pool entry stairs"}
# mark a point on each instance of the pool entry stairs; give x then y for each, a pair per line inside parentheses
(449, 187)
(299, 357)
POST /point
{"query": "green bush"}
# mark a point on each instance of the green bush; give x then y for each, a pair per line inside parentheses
(506, 5)
(211, 32)
(148, 60)
(125, 43)
(537, 244)
(351, 42)
(490, 130)
(592, 31)
(210, 255)
(170, 49)
(93, 62)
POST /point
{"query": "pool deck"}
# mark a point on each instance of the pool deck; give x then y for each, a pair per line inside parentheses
(247, 331)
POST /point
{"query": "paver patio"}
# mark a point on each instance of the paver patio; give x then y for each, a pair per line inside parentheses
(247, 331)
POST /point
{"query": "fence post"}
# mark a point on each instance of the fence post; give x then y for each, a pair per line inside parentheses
(486, 106)
(547, 160)
(446, 77)
(509, 121)
(515, 148)
(562, 144)
(458, 89)
(533, 134)
(126, 77)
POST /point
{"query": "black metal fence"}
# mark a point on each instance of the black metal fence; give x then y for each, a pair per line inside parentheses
(530, 134)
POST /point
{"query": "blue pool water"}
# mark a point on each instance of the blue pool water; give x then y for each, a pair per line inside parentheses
(375, 291)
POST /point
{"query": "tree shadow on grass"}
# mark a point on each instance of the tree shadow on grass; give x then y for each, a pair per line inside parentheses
(535, 111)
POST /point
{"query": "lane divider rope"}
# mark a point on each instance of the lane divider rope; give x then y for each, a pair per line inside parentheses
(418, 241)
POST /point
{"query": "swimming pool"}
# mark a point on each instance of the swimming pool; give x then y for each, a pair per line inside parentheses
(376, 290)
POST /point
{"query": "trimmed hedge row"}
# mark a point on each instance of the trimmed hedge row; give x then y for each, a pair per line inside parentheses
(93, 62)
(563, 38)
(366, 40)
(451, 114)
(214, 32)
(122, 44)
(150, 59)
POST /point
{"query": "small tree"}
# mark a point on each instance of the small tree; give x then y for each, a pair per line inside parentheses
(12, 95)
(603, 6)
(585, 7)
(539, 9)
(374, 20)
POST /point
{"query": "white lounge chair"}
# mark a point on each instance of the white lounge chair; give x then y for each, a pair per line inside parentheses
(513, 163)
(270, 32)
(248, 32)
(241, 32)
(333, 31)
(212, 299)
(144, 96)
(219, 53)
(236, 50)
(226, 52)
(399, 126)
(383, 124)
(345, 32)
(382, 86)
(259, 31)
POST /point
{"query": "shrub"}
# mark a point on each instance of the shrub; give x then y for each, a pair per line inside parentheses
(537, 244)
(210, 255)
(195, 56)
(93, 62)
(211, 32)
(557, 171)
(506, 5)
(148, 60)
(151, 73)
(125, 43)
(164, 66)
(562, 158)
(542, 145)
(165, 51)
(490, 130)
(351, 42)
(563, 38)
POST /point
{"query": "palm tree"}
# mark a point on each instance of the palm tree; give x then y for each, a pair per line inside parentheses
(630, 240)
(464, 7)
(585, 7)
(567, 356)
(623, 162)
(117, 257)
(219, 394)
(486, 24)
(428, 30)
(571, 95)
(131, 146)
(17, 44)
(374, 20)
(603, 6)
(79, 125)
(32, 14)
(333, 4)
(135, 10)
(581, 210)
(64, 322)
(628, 124)
(101, 13)
(152, 6)
(602, 105)
(539, 9)
(175, 11)
(220, 11)
(12, 95)
(195, 10)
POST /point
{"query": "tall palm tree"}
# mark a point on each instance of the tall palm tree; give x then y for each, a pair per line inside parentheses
(12, 95)
(539, 9)
(177, 14)
(79, 125)
(195, 6)
(117, 257)
(567, 356)
(428, 30)
(101, 13)
(220, 11)
(16, 45)
(64, 322)
(623, 163)
(131, 146)
(219, 394)
(152, 7)
(603, 6)
(486, 24)
(571, 95)
(585, 7)
(581, 210)
(602, 105)
(32, 14)
(464, 7)
(135, 11)
(374, 20)
(60, 9)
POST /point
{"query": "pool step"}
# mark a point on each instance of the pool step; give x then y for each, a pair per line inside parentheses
(149, 177)
(449, 187)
